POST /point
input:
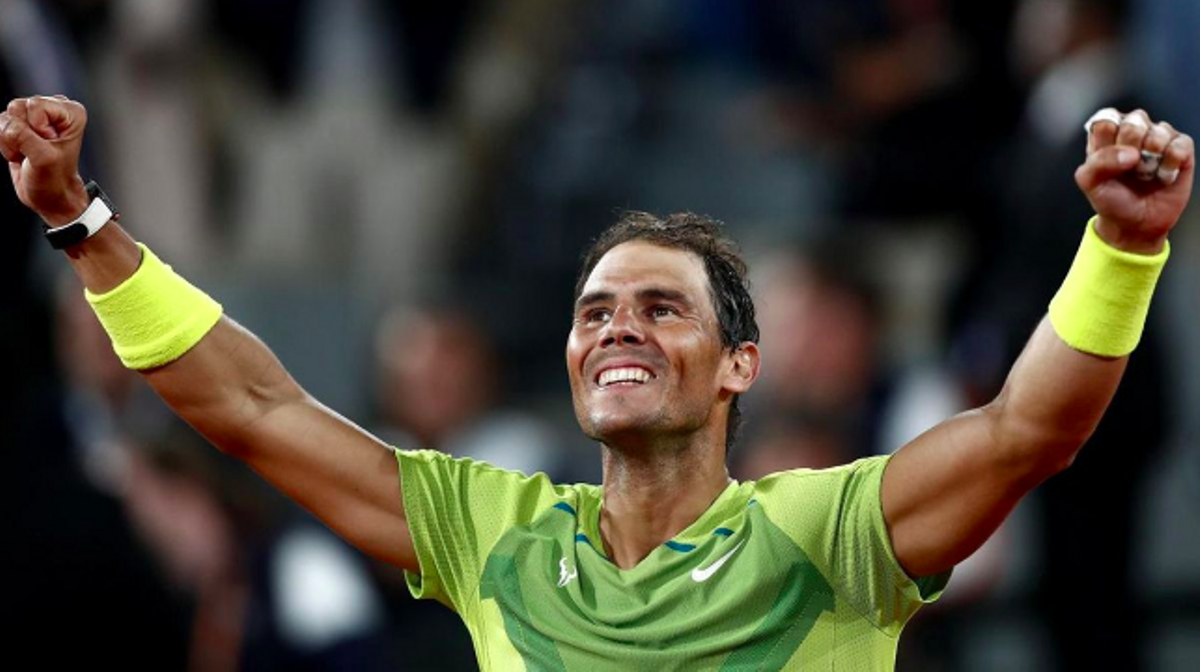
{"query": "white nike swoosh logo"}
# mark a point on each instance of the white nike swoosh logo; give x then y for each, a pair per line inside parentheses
(702, 575)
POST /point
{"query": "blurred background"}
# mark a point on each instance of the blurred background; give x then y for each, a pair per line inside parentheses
(394, 196)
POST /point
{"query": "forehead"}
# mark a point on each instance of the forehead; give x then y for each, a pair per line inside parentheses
(639, 264)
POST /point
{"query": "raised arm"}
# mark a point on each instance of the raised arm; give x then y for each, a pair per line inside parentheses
(949, 489)
(229, 386)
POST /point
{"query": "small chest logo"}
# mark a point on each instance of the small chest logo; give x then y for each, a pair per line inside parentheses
(702, 575)
(565, 573)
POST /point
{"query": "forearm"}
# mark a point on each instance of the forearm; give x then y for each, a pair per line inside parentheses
(225, 383)
(225, 386)
(106, 259)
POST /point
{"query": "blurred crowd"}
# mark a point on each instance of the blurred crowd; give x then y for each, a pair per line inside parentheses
(394, 196)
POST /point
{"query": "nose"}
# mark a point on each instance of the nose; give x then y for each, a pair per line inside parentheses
(623, 328)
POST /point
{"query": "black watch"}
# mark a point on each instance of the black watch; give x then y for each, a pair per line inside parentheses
(100, 211)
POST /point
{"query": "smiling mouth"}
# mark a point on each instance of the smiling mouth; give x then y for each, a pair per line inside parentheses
(629, 375)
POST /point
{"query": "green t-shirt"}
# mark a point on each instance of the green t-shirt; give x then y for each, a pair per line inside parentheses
(794, 571)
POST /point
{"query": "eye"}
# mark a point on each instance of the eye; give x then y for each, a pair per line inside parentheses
(596, 316)
(663, 310)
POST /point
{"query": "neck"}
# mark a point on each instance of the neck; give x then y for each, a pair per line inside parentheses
(652, 495)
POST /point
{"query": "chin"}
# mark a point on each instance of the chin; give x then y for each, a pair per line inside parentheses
(622, 429)
(601, 428)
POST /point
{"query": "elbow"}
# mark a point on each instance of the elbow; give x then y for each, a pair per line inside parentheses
(1035, 449)
(235, 429)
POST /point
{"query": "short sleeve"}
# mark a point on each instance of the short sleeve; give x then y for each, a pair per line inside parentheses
(863, 555)
(456, 510)
(836, 517)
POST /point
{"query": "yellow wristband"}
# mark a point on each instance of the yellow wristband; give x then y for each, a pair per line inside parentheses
(154, 316)
(1101, 307)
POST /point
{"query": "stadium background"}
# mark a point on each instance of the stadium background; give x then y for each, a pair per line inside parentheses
(394, 197)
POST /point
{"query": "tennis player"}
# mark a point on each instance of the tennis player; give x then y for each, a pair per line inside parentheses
(669, 564)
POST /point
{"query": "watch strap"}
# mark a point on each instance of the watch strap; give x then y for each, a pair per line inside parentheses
(100, 211)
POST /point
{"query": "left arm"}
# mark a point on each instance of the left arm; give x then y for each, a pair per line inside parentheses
(948, 490)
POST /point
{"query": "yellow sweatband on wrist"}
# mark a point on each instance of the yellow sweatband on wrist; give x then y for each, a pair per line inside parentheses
(1102, 305)
(154, 316)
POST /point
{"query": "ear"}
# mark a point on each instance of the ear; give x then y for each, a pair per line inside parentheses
(742, 369)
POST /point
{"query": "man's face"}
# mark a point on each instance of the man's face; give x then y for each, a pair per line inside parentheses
(644, 356)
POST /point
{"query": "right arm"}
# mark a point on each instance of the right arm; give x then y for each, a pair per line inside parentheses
(230, 387)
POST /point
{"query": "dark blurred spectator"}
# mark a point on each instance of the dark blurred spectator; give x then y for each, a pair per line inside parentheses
(779, 445)
(77, 586)
(922, 103)
(1165, 41)
(817, 401)
(438, 384)
(148, 100)
(269, 590)
(75, 563)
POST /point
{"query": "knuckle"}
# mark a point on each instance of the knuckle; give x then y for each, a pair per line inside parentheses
(1158, 137)
(75, 111)
(44, 102)
(1135, 119)
(1181, 146)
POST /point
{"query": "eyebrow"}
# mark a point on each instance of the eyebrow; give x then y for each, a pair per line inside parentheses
(643, 295)
(593, 298)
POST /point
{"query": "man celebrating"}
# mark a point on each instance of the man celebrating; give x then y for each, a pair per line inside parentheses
(670, 563)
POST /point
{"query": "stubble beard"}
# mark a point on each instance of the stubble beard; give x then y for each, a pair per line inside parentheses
(634, 430)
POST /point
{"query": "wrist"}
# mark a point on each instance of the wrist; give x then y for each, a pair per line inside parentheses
(106, 259)
(1116, 236)
(72, 205)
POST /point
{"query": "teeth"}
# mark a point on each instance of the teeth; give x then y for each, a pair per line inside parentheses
(624, 375)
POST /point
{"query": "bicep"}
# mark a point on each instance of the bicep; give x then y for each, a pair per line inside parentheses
(947, 491)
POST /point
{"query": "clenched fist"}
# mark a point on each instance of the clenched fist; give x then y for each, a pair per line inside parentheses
(1136, 214)
(41, 137)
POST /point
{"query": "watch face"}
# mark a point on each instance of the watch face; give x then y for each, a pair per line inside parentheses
(94, 191)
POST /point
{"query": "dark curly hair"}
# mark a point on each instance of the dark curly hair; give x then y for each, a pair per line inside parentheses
(727, 283)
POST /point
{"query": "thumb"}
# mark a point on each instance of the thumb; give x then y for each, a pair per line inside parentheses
(1105, 164)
